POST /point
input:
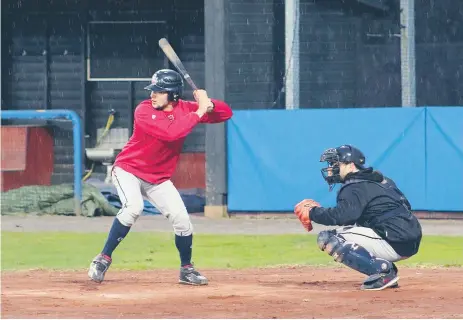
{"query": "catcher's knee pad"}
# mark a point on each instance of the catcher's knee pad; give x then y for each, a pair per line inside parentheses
(181, 223)
(130, 212)
(323, 238)
(331, 244)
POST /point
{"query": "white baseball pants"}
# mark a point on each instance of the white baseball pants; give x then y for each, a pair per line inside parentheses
(165, 197)
(371, 241)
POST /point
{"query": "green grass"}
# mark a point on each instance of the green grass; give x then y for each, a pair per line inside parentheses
(57, 250)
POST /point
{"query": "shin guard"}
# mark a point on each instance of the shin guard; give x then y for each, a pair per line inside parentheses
(355, 256)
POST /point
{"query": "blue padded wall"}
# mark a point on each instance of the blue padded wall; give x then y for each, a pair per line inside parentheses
(273, 156)
(444, 159)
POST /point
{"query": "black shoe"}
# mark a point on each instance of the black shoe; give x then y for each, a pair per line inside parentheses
(188, 275)
(98, 267)
(395, 285)
(382, 281)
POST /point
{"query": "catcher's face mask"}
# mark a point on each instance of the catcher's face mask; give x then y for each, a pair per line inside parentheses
(331, 173)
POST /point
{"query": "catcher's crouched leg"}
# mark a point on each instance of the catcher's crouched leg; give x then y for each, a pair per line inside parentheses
(323, 238)
(382, 273)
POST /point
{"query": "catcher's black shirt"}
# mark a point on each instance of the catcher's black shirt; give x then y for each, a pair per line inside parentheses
(368, 199)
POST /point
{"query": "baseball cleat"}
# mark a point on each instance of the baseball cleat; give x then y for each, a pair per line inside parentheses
(188, 275)
(395, 286)
(381, 281)
(98, 267)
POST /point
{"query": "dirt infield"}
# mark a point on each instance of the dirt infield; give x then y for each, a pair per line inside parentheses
(290, 292)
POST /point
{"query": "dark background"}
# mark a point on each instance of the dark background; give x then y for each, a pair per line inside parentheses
(349, 56)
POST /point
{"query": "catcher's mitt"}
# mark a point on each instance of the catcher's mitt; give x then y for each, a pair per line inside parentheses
(302, 211)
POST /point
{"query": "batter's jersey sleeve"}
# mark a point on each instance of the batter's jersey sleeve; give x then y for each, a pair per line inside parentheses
(222, 111)
(163, 128)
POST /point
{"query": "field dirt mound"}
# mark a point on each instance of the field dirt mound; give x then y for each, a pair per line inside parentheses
(287, 292)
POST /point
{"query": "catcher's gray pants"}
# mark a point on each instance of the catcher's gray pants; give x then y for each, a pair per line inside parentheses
(164, 196)
(371, 241)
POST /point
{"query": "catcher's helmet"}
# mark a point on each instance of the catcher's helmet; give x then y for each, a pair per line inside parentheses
(344, 154)
(167, 80)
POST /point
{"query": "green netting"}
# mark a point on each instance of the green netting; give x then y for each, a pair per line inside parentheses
(55, 200)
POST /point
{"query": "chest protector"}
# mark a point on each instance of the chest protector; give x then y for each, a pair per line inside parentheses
(393, 193)
(398, 226)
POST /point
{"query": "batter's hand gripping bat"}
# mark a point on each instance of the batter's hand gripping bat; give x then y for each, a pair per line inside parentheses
(172, 56)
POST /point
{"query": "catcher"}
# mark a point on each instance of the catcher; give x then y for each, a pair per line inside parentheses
(380, 227)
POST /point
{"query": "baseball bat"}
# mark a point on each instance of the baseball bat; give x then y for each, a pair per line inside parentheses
(172, 56)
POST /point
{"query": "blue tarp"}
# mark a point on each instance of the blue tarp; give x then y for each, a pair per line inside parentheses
(194, 199)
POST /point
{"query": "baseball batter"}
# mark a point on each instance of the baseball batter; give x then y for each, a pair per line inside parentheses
(145, 165)
(380, 227)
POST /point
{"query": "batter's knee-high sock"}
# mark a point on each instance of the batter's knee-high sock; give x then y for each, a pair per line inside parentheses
(116, 234)
(184, 245)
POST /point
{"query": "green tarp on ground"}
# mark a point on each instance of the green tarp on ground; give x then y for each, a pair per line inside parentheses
(55, 200)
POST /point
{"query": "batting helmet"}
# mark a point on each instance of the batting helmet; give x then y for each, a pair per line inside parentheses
(167, 80)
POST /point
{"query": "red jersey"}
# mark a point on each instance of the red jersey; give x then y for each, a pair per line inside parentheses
(153, 149)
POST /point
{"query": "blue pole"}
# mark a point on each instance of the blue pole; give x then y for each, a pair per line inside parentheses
(77, 137)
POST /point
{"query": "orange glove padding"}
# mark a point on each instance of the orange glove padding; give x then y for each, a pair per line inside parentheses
(302, 211)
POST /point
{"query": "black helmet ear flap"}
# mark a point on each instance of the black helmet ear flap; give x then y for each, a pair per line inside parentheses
(174, 96)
